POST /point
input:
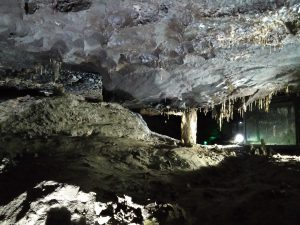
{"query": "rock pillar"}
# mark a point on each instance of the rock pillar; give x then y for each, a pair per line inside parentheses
(189, 127)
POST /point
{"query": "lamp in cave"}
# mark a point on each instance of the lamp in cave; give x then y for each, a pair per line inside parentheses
(239, 139)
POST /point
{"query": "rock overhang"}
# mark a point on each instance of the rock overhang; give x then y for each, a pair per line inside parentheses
(181, 54)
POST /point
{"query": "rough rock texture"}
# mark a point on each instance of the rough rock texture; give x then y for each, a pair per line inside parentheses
(174, 185)
(81, 158)
(69, 115)
(52, 80)
(71, 5)
(52, 203)
(190, 53)
(124, 174)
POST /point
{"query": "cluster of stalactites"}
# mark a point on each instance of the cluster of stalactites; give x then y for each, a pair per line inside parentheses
(226, 112)
(261, 104)
(227, 108)
(55, 67)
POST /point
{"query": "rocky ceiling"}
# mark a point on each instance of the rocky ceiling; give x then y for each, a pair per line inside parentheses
(185, 53)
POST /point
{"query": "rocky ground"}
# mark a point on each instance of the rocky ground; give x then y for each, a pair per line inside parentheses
(53, 176)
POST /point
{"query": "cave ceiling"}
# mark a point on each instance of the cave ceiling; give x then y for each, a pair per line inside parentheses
(185, 53)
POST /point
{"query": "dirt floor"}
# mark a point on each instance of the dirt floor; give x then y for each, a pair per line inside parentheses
(96, 179)
(188, 185)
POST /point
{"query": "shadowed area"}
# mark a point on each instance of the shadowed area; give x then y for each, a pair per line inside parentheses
(240, 189)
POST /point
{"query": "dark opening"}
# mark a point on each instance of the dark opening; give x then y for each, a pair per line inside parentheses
(58, 216)
(208, 131)
(166, 125)
(26, 8)
(279, 128)
(11, 92)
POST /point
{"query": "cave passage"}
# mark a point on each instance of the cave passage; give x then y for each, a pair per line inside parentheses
(164, 124)
(153, 112)
(207, 133)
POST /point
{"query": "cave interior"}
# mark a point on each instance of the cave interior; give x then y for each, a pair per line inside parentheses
(149, 112)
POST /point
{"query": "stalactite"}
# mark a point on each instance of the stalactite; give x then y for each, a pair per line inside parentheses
(226, 111)
(205, 111)
(287, 89)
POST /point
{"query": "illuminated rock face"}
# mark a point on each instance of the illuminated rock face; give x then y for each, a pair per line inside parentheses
(190, 53)
(69, 115)
(189, 127)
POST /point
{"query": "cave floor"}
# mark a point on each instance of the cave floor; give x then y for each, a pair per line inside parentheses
(208, 186)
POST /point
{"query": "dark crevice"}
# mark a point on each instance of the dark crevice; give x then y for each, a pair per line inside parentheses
(12, 92)
(26, 8)
(116, 96)
(30, 7)
(293, 26)
(93, 100)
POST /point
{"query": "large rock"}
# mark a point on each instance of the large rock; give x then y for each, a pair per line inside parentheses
(52, 203)
(54, 81)
(69, 115)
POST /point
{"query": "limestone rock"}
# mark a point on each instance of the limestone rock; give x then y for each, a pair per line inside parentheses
(69, 115)
(185, 53)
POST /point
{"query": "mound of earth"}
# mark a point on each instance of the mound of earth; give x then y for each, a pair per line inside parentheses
(69, 115)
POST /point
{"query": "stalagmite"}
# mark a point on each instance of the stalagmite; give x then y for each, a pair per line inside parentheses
(56, 69)
(189, 127)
